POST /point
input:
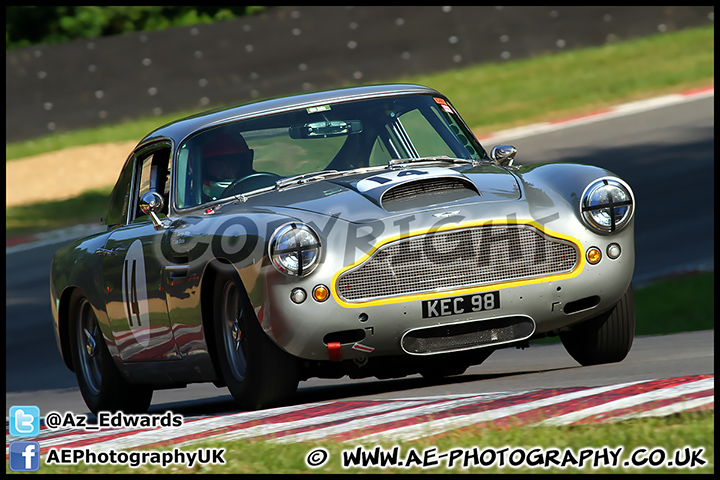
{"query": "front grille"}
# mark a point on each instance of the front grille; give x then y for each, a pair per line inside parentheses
(458, 258)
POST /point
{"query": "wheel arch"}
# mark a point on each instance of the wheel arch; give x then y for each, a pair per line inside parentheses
(605, 338)
(68, 299)
(214, 270)
(63, 312)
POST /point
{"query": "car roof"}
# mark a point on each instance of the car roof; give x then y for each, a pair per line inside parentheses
(181, 128)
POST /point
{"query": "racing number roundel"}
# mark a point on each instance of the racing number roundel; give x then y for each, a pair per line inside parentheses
(134, 294)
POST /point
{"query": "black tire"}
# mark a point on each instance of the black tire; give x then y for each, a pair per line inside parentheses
(102, 386)
(257, 372)
(606, 338)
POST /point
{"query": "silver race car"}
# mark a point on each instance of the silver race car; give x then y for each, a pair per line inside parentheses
(360, 232)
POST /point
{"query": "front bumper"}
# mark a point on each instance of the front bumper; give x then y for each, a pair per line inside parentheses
(336, 329)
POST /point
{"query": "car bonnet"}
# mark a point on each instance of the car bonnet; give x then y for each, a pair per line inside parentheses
(374, 195)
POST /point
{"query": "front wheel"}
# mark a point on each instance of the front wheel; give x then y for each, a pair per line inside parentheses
(257, 373)
(606, 338)
(102, 386)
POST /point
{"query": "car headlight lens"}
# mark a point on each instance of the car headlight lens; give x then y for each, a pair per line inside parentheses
(295, 249)
(607, 205)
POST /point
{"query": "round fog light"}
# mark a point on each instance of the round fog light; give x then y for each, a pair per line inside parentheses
(321, 293)
(613, 250)
(594, 255)
(298, 295)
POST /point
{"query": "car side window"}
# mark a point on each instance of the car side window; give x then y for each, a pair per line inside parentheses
(153, 176)
(120, 197)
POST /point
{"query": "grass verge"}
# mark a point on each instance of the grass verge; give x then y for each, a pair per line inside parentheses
(498, 96)
(33, 218)
(677, 304)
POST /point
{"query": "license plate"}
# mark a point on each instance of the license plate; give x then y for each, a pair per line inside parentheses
(477, 302)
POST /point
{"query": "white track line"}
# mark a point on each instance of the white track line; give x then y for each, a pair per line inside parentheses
(413, 432)
(666, 410)
(388, 418)
(662, 394)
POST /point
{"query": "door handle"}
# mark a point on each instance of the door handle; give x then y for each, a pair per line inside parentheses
(177, 271)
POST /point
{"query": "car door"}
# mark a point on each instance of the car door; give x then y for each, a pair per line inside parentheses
(133, 265)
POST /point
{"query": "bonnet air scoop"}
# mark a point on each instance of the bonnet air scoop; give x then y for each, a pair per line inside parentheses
(427, 191)
(401, 189)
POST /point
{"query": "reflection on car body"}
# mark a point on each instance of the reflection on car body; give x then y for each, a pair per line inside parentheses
(360, 232)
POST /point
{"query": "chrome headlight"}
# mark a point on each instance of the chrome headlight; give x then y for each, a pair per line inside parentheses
(607, 205)
(295, 249)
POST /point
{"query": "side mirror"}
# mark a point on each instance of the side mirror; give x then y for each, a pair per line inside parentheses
(503, 154)
(150, 204)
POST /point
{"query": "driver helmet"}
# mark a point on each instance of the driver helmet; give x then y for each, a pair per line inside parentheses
(225, 158)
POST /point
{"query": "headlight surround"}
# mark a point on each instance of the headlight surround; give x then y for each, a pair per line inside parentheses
(295, 249)
(607, 205)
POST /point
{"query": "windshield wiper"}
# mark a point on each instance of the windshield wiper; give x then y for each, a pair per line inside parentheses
(305, 178)
(441, 158)
(284, 182)
(324, 174)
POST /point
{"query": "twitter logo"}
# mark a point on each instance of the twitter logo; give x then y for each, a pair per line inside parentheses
(24, 421)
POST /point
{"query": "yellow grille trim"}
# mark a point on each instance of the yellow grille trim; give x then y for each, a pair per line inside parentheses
(465, 290)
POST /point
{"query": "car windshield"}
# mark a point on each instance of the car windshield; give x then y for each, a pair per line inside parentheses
(249, 155)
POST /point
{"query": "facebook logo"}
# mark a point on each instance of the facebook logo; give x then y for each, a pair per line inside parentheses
(24, 421)
(24, 456)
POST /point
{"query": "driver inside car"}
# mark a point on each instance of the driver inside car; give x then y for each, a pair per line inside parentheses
(226, 159)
